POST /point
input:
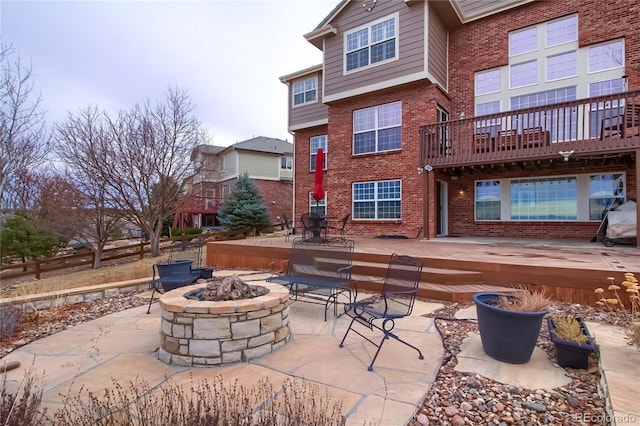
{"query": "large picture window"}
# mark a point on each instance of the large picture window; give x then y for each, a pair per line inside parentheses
(377, 129)
(304, 91)
(315, 143)
(370, 45)
(379, 200)
(544, 199)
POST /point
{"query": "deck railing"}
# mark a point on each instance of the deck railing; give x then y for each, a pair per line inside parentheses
(604, 124)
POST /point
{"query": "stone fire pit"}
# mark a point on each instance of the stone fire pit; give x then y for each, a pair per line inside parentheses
(205, 333)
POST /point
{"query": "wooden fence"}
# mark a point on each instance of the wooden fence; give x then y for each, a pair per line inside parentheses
(86, 257)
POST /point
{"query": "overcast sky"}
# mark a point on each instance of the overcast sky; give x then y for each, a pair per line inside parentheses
(228, 55)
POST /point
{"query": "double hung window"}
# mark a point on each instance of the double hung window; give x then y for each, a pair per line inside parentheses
(377, 129)
(378, 200)
(315, 143)
(370, 45)
(304, 91)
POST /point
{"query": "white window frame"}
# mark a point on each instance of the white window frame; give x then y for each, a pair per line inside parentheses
(595, 51)
(377, 127)
(318, 205)
(566, 29)
(315, 142)
(288, 163)
(375, 199)
(491, 77)
(368, 44)
(557, 63)
(522, 68)
(300, 87)
(516, 44)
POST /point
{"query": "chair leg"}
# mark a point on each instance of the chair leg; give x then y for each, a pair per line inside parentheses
(341, 345)
(151, 301)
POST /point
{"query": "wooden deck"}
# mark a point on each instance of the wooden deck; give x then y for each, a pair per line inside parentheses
(455, 270)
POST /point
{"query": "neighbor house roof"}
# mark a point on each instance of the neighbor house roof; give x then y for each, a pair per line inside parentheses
(264, 144)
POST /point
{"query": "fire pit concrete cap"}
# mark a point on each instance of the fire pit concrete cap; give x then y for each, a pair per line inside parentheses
(174, 301)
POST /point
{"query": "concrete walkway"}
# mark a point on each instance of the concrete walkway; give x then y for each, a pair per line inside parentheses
(124, 346)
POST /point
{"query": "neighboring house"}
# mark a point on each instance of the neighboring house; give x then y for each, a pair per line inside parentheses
(269, 163)
(493, 118)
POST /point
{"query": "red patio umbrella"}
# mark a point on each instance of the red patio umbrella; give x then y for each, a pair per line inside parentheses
(318, 190)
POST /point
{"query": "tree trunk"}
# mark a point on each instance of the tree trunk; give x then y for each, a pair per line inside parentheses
(154, 244)
(97, 258)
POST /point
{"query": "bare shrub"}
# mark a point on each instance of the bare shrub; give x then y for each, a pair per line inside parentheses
(22, 406)
(207, 403)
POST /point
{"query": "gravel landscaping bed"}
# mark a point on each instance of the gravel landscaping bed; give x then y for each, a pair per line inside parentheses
(454, 398)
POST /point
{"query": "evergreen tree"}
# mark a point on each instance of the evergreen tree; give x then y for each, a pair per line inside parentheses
(19, 237)
(244, 207)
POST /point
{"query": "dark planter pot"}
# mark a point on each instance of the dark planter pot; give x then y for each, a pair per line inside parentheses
(572, 354)
(204, 273)
(507, 336)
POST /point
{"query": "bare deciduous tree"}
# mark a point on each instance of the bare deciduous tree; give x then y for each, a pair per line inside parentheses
(76, 208)
(22, 126)
(142, 155)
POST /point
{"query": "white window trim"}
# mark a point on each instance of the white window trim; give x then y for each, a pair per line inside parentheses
(376, 129)
(396, 17)
(293, 94)
(546, 69)
(520, 31)
(546, 26)
(511, 86)
(498, 70)
(621, 40)
(375, 199)
(324, 151)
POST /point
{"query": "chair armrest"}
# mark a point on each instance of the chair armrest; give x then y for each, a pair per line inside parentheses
(283, 267)
(344, 269)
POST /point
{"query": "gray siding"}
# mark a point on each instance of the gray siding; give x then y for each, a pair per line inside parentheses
(438, 48)
(259, 165)
(411, 47)
(307, 115)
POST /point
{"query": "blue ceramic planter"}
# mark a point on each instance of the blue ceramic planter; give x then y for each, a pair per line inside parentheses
(507, 336)
(572, 354)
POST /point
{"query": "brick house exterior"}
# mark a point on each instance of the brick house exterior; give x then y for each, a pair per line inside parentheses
(269, 163)
(433, 76)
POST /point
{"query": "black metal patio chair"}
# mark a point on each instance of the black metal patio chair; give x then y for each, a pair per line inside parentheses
(168, 276)
(313, 226)
(396, 301)
(343, 224)
(288, 227)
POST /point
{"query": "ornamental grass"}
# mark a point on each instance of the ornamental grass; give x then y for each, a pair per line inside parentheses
(611, 299)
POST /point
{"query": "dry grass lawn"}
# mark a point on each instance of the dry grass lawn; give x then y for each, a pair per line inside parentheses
(63, 279)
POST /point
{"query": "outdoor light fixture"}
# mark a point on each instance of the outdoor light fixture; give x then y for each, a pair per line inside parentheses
(428, 167)
(566, 154)
(419, 170)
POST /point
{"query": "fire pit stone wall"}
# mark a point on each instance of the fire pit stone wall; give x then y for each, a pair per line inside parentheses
(205, 333)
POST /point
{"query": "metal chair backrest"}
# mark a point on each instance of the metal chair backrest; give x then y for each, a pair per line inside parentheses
(310, 222)
(324, 259)
(400, 284)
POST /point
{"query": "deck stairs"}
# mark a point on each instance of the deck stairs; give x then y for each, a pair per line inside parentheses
(450, 285)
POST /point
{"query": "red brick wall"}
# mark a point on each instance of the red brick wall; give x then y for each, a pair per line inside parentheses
(418, 108)
(277, 196)
(476, 46)
(483, 44)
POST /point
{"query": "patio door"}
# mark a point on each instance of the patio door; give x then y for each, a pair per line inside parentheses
(442, 225)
